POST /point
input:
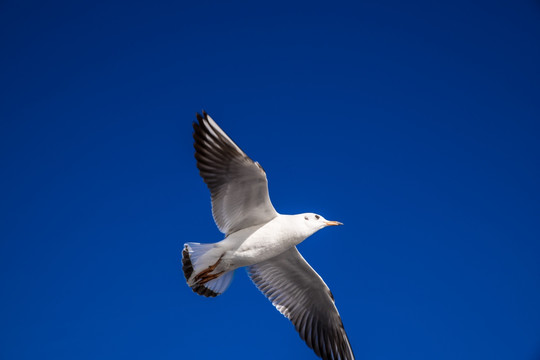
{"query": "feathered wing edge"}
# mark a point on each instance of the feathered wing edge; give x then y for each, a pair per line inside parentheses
(238, 185)
(300, 294)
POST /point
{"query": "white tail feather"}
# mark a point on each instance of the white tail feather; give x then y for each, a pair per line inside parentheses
(198, 257)
(196, 252)
(220, 284)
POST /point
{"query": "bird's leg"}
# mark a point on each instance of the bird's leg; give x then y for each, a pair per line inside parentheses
(205, 276)
(210, 277)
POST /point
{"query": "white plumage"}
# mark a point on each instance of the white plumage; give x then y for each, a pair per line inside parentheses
(263, 241)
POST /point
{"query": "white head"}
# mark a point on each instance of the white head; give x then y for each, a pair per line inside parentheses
(314, 222)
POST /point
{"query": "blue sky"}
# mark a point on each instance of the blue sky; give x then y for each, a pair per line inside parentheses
(416, 124)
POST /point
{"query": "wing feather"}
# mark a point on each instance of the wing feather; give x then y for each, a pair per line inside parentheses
(299, 293)
(238, 185)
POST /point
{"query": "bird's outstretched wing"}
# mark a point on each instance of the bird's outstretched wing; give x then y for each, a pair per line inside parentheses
(237, 184)
(300, 294)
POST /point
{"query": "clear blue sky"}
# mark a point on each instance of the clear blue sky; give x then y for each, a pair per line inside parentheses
(417, 124)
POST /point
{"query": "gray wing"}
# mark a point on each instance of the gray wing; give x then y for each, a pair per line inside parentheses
(237, 184)
(300, 294)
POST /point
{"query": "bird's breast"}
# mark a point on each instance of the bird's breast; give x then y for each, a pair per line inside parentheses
(263, 243)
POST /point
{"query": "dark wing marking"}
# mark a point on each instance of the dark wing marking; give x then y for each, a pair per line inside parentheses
(300, 294)
(237, 184)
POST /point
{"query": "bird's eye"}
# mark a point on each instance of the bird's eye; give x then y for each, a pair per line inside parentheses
(317, 217)
(305, 217)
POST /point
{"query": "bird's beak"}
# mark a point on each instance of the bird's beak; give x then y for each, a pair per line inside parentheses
(333, 223)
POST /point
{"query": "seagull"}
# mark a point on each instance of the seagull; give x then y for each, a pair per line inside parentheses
(262, 240)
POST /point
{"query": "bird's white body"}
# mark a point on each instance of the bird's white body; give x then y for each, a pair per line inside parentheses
(258, 243)
(261, 240)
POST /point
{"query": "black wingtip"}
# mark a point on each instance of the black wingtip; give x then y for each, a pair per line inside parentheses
(204, 291)
(187, 267)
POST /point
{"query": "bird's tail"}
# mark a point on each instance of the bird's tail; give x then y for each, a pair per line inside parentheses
(199, 270)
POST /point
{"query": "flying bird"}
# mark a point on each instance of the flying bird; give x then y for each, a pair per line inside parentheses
(262, 240)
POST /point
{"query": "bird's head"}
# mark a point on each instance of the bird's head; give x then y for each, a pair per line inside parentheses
(315, 222)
